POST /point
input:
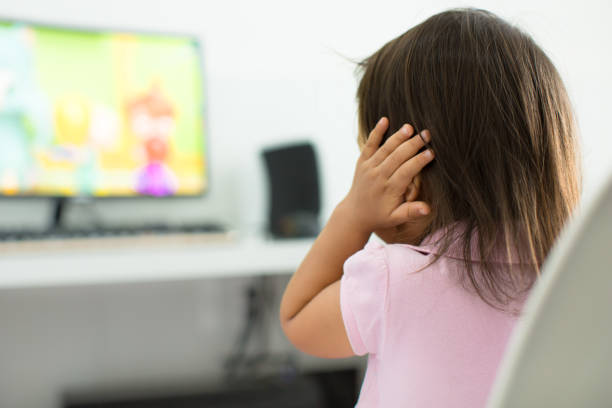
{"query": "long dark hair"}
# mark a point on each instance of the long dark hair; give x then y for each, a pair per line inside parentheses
(503, 131)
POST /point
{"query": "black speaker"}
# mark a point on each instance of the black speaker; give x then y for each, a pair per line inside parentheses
(293, 192)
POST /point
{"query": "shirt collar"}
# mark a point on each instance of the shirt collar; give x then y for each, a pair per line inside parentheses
(432, 243)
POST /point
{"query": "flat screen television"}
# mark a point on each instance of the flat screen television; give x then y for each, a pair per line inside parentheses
(100, 113)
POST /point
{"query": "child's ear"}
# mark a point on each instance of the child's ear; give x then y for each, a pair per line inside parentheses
(414, 189)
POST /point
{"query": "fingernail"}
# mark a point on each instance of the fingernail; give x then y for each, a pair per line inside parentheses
(429, 154)
(426, 136)
(380, 121)
(424, 210)
(405, 129)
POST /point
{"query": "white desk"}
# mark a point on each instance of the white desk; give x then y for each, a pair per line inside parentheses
(130, 259)
(106, 334)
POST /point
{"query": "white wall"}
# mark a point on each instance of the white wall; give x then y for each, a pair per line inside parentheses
(273, 74)
(113, 341)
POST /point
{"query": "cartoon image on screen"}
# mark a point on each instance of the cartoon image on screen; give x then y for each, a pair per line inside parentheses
(97, 113)
(152, 120)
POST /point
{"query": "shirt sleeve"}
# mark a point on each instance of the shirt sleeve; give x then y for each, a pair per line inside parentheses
(363, 296)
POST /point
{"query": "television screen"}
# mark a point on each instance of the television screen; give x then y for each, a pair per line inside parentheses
(99, 113)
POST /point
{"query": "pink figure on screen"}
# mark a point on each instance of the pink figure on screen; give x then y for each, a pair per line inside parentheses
(152, 119)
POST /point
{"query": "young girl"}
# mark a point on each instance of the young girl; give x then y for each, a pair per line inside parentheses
(465, 233)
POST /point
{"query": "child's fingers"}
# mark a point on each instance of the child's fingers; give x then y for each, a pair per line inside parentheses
(404, 152)
(392, 143)
(409, 211)
(406, 172)
(374, 138)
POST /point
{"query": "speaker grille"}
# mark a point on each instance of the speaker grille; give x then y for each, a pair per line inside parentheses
(294, 197)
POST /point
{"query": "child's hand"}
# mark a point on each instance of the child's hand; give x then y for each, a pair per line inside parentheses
(377, 199)
(310, 313)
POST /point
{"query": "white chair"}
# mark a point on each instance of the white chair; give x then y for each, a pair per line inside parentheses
(560, 354)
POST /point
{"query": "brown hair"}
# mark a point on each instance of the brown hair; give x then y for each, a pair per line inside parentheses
(503, 132)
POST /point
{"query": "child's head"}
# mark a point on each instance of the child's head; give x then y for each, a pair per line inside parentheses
(502, 130)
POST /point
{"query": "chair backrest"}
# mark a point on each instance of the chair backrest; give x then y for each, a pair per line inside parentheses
(560, 354)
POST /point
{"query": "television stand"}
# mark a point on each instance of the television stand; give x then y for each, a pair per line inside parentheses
(59, 205)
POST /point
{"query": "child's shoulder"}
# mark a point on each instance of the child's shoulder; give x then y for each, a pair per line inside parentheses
(391, 260)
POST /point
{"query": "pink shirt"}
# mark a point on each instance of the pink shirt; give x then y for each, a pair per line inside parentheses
(431, 343)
